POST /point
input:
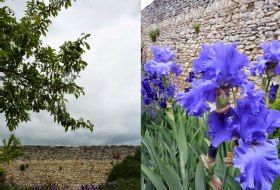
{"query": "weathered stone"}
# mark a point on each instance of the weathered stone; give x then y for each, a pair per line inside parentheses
(269, 33)
(277, 32)
(275, 16)
(259, 4)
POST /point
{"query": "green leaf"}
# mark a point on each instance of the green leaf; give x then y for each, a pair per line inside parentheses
(276, 184)
(155, 179)
(87, 46)
(171, 177)
(199, 176)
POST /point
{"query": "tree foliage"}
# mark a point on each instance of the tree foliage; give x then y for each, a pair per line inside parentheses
(38, 77)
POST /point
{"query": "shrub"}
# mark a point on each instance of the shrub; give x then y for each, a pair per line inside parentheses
(22, 167)
(196, 27)
(128, 172)
(2, 175)
(154, 34)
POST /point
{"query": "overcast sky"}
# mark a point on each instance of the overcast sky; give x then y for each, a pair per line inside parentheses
(111, 81)
(145, 3)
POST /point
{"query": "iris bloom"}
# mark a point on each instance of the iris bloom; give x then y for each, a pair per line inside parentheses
(163, 62)
(219, 66)
(269, 62)
(155, 87)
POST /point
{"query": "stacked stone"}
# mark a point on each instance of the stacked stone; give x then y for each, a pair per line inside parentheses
(72, 153)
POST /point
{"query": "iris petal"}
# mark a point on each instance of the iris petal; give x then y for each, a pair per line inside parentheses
(252, 114)
(258, 164)
(223, 63)
(194, 101)
(273, 121)
(222, 127)
(157, 67)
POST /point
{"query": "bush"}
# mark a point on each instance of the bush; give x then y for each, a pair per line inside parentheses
(196, 27)
(2, 175)
(154, 34)
(128, 172)
(22, 167)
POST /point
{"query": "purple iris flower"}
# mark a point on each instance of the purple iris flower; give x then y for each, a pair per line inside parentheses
(273, 92)
(191, 77)
(270, 59)
(147, 100)
(258, 164)
(220, 66)
(163, 104)
(222, 63)
(163, 62)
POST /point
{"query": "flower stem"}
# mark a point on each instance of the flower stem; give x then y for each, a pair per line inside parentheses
(226, 172)
(267, 86)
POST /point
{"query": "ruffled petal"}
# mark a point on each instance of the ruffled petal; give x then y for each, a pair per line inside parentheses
(194, 101)
(157, 67)
(271, 50)
(223, 63)
(273, 121)
(201, 64)
(252, 115)
(164, 54)
(258, 164)
(259, 66)
(222, 127)
(176, 69)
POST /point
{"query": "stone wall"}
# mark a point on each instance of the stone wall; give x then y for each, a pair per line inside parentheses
(247, 22)
(72, 153)
(160, 10)
(66, 166)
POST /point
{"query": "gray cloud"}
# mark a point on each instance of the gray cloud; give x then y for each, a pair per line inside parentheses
(111, 80)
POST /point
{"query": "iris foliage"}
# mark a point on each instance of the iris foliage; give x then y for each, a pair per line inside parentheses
(238, 121)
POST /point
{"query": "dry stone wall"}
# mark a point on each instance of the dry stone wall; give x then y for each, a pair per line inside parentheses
(247, 22)
(72, 153)
(68, 167)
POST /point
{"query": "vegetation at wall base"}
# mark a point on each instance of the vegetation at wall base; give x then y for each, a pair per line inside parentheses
(127, 173)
